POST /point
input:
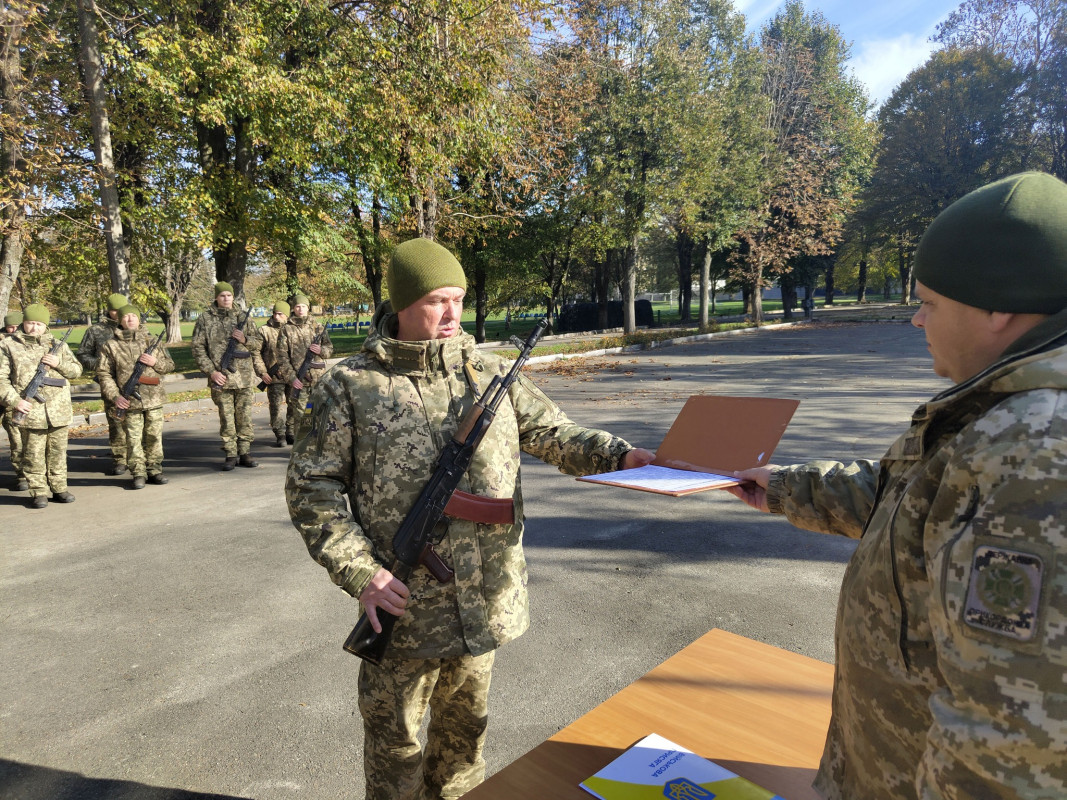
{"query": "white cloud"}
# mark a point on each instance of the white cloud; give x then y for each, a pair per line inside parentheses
(881, 64)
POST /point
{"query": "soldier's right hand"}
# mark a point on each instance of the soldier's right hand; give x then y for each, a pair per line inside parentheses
(122, 402)
(218, 378)
(24, 406)
(385, 592)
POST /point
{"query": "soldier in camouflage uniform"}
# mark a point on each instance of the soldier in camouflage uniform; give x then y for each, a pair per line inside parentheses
(230, 391)
(265, 361)
(12, 322)
(375, 426)
(951, 635)
(296, 338)
(89, 355)
(44, 428)
(143, 418)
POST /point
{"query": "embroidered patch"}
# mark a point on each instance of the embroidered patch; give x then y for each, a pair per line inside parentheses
(1004, 592)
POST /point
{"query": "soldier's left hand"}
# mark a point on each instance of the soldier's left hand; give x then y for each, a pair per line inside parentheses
(50, 359)
(638, 457)
(238, 334)
(147, 359)
(315, 348)
(297, 383)
(24, 406)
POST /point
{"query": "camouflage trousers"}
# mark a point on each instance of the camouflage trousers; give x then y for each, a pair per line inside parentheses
(394, 699)
(14, 438)
(44, 459)
(144, 441)
(279, 408)
(116, 434)
(235, 419)
(295, 409)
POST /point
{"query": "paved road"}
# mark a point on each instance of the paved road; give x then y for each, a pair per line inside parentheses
(177, 642)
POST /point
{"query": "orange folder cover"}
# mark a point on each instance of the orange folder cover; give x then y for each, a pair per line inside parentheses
(712, 437)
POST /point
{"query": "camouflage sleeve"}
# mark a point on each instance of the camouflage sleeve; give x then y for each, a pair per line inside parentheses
(198, 346)
(326, 344)
(88, 354)
(255, 347)
(997, 547)
(164, 363)
(825, 496)
(550, 435)
(9, 396)
(286, 370)
(317, 487)
(106, 377)
(69, 367)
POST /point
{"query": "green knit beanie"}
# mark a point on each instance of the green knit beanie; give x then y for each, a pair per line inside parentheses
(222, 286)
(419, 267)
(282, 306)
(116, 301)
(301, 300)
(36, 313)
(1002, 247)
(129, 308)
(14, 318)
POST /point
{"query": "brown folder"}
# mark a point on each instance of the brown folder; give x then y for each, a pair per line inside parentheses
(711, 437)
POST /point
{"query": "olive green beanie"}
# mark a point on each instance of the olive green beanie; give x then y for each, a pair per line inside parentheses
(419, 267)
(282, 306)
(1002, 247)
(301, 300)
(14, 318)
(222, 286)
(129, 308)
(116, 301)
(36, 313)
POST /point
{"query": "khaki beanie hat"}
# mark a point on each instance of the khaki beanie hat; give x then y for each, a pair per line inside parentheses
(1002, 247)
(282, 306)
(14, 318)
(129, 308)
(116, 301)
(36, 313)
(419, 267)
(221, 287)
(301, 300)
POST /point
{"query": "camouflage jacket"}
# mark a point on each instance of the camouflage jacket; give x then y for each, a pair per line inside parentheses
(20, 354)
(293, 340)
(93, 341)
(117, 361)
(265, 347)
(372, 435)
(951, 636)
(211, 336)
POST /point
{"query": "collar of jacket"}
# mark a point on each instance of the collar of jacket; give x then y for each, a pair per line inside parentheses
(127, 335)
(415, 358)
(1036, 360)
(223, 313)
(115, 324)
(299, 321)
(40, 338)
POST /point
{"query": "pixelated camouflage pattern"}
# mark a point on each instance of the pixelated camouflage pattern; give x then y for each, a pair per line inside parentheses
(20, 354)
(44, 459)
(14, 439)
(118, 358)
(393, 701)
(937, 694)
(264, 347)
(211, 335)
(93, 341)
(376, 425)
(293, 340)
(144, 432)
(235, 419)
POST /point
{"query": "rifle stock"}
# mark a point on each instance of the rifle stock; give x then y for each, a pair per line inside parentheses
(412, 545)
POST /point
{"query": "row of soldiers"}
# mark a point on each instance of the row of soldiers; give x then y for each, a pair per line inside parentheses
(287, 354)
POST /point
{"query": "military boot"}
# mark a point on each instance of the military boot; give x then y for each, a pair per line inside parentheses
(63, 497)
(246, 460)
(229, 463)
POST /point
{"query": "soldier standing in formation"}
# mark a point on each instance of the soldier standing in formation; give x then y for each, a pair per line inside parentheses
(14, 438)
(143, 416)
(294, 341)
(231, 392)
(951, 636)
(89, 355)
(373, 431)
(44, 428)
(265, 358)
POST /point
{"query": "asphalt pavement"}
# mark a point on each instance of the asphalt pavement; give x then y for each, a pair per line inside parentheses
(177, 642)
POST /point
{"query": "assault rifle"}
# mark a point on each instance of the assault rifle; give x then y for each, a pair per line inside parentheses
(412, 545)
(273, 372)
(40, 378)
(305, 365)
(226, 362)
(129, 389)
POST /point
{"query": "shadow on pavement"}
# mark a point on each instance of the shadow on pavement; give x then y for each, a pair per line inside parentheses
(20, 781)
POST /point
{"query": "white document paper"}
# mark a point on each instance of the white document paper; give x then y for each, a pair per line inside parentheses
(665, 480)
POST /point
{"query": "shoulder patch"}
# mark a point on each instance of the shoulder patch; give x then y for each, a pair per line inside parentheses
(1004, 592)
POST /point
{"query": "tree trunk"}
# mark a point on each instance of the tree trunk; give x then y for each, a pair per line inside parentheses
(601, 273)
(118, 258)
(861, 291)
(705, 286)
(628, 285)
(789, 296)
(481, 293)
(13, 216)
(683, 247)
(830, 288)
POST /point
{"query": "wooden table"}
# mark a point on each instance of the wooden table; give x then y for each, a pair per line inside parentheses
(757, 710)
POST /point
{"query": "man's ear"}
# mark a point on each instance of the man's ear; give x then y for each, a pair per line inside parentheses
(1000, 321)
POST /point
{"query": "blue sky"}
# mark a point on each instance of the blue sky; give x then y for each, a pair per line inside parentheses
(889, 38)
